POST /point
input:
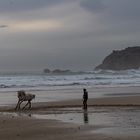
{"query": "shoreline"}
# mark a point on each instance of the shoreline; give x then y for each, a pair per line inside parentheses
(20, 125)
(124, 101)
(75, 94)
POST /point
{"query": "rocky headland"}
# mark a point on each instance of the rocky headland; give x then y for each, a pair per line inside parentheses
(128, 58)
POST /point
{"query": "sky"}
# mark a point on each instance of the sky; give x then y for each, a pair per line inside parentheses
(65, 34)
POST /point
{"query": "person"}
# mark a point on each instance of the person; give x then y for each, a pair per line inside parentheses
(85, 98)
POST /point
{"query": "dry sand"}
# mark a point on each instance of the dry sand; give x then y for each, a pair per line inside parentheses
(27, 128)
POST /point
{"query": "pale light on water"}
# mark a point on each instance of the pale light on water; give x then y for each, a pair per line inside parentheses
(115, 121)
(112, 121)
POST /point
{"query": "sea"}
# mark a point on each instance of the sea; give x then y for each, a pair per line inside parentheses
(38, 81)
(100, 78)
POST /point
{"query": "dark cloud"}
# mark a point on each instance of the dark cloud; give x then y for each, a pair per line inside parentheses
(112, 9)
(3, 26)
(93, 5)
(86, 36)
(126, 9)
(23, 5)
(116, 18)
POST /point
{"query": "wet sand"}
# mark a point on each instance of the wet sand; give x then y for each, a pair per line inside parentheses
(60, 121)
(26, 126)
(9, 96)
(23, 125)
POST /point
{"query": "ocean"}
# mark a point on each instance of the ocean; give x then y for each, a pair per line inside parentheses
(54, 87)
(101, 78)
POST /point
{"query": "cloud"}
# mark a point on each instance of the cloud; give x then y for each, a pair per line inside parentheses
(7, 6)
(112, 9)
(93, 5)
(65, 33)
(34, 26)
(124, 10)
(67, 17)
(3, 26)
(113, 18)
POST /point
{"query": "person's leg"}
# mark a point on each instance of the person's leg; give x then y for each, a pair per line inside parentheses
(84, 104)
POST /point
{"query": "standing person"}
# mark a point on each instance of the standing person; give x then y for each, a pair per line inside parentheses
(85, 98)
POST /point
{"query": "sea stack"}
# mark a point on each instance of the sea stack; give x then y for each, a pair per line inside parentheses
(128, 58)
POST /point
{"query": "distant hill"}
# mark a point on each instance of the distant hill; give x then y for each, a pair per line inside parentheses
(128, 58)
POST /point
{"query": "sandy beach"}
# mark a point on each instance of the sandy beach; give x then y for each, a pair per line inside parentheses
(21, 128)
(61, 120)
(69, 70)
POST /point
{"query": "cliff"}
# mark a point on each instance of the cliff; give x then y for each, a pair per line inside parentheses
(128, 58)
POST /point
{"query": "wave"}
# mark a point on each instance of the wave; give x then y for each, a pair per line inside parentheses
(95, 79)
(129, 71)
(42, 85)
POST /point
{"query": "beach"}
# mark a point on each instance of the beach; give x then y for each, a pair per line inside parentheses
(69, 70)
(114, 115)
(20, 128)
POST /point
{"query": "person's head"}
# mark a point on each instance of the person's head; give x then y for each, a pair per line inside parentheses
(84, 89)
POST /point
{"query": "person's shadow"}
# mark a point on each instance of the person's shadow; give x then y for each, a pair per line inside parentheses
(85, 116)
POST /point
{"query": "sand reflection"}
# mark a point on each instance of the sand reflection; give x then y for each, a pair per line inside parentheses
(85, 116)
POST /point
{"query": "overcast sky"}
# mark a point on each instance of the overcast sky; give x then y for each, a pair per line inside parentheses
(65, 34)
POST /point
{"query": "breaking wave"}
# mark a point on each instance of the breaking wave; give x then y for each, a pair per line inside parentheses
(100, 78)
